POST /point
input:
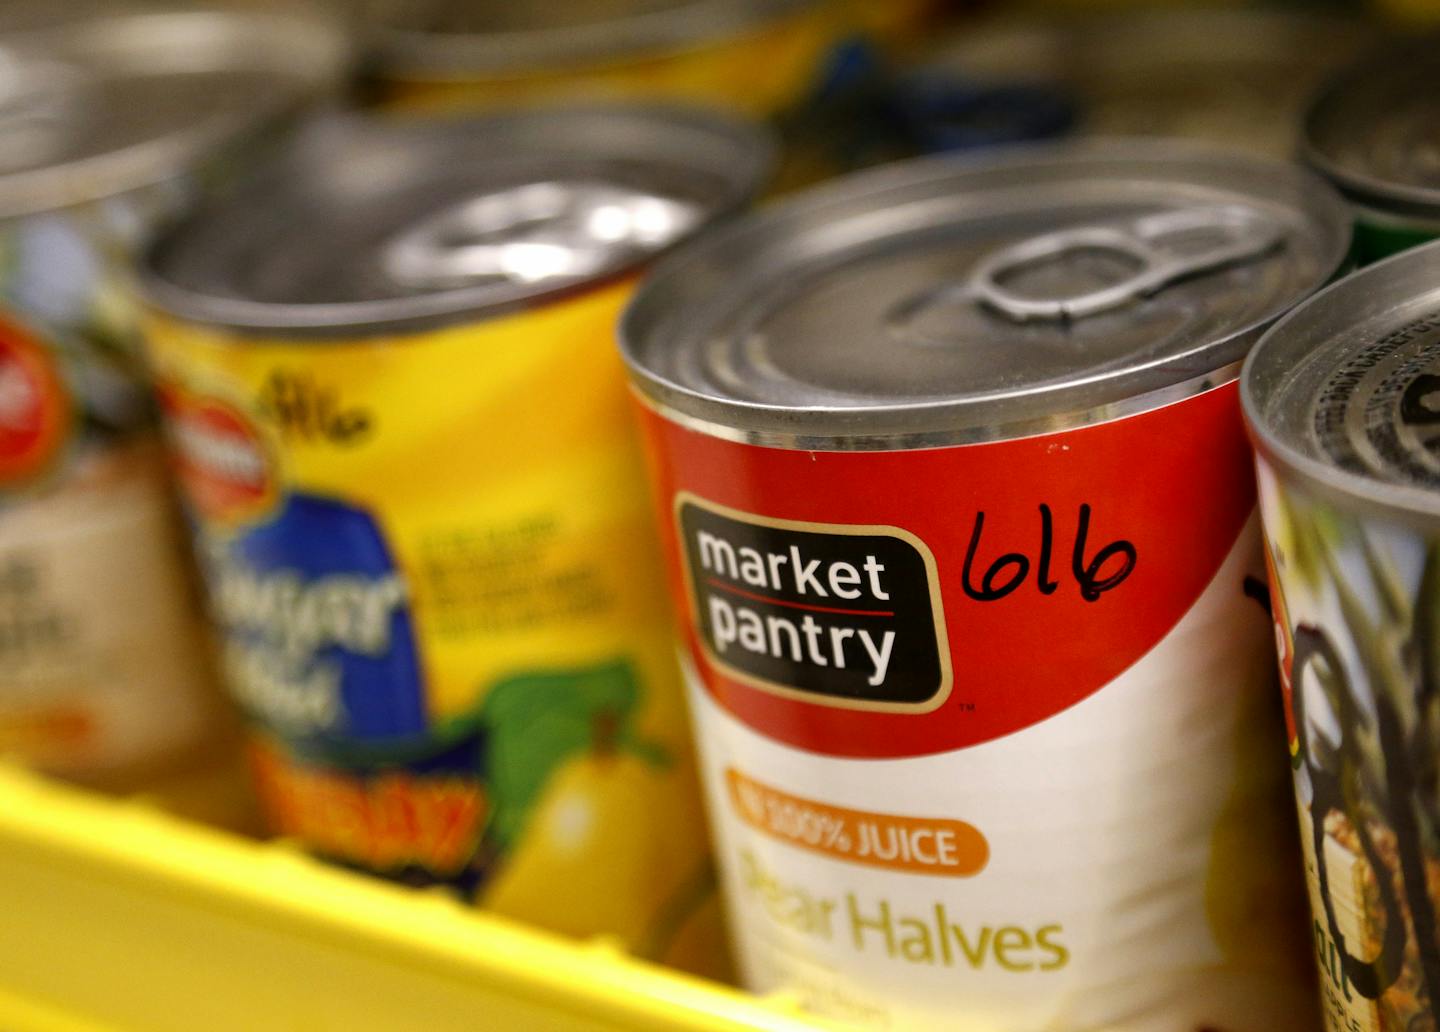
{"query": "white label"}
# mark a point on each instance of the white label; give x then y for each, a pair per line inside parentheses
(1131, 880)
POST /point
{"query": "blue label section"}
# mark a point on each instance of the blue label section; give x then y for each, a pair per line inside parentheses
(319, 642)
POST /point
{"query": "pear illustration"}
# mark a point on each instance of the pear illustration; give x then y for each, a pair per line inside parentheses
(595, 856)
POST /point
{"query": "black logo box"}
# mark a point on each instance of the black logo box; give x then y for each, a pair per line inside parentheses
(817, 600)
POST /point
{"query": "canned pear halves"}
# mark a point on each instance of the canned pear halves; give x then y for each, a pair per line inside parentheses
(112, 116)
(957, 504)
(1343, 399)
(401, 427)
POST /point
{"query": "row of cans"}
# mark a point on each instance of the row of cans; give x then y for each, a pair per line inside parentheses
(944, 484)
(436, 669)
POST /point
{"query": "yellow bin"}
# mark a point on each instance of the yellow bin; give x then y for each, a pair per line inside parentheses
(115, 916)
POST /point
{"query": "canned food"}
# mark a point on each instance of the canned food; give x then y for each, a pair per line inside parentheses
(1371, 132)
(1419, 12)
(897, 24)
(756, 57)
(1342, 402)
(957, 505)
(1407, 12)
(109, 117)
(1236, 77)
(402, 431)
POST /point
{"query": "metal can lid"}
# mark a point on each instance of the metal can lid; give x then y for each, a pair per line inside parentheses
(1374, 130)
(456, 38)
(367, 224)
(111, 98)
(1345, 391)
(944, 299)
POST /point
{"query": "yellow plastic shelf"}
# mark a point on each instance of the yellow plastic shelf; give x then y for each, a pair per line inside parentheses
(115, 916)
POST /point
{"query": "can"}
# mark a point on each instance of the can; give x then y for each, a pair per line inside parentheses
(111, 116)
(387, 369)
(957, 505)
(1238, 78)
(1410, 12)
(1340, 397)
(754, 56)
(1370, 131)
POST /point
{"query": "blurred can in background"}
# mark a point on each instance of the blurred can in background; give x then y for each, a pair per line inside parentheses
(1343, 399)
(388, 371)
(111, 117)
(961, 529)
(1064, 8)
(1374, 131)
(1410, 12)
(813, 67)
(1238, 78)
(755, 56)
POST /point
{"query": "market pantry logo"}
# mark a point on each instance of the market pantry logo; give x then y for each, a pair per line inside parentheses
(836, 615)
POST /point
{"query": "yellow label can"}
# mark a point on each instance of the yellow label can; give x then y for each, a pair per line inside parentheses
(421, 511)
(756, 58)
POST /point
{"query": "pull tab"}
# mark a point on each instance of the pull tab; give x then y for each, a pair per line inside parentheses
(1154, 243)
(534, 232)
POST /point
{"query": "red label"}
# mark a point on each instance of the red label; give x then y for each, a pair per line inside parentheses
(1284, 651)
(220, 458)
(34, 407)
(903, 603)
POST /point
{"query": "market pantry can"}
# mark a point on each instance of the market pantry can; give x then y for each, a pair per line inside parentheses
(1342, 401)
(111, 117)
(399, 420)
(1372, 133)
(957, 504)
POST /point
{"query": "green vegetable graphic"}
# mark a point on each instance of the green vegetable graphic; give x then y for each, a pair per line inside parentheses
(537, 721)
